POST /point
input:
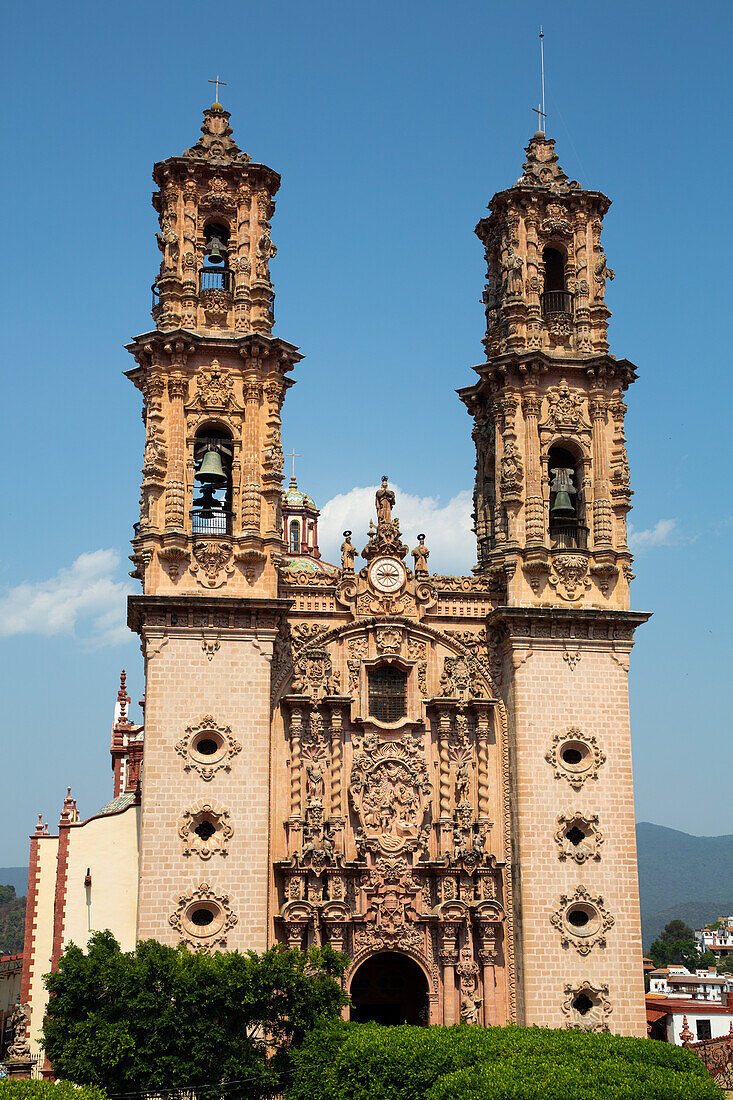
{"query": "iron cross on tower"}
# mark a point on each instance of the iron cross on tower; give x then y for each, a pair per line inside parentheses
(218, 82)
(293, 455)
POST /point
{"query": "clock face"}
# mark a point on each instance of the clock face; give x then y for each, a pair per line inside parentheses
(387, 575)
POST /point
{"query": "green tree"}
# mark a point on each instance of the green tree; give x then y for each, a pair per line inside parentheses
(12, 921)
(676, 945)
(163, 1017)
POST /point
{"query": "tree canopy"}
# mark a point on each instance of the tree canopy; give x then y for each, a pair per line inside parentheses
(12, 921)
(676, 945)
(164, 1017)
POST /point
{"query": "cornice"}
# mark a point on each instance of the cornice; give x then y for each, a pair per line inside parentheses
(548, 623)
(190, 610)
(522, 370)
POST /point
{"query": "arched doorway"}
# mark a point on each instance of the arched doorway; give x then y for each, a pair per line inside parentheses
(389, 988)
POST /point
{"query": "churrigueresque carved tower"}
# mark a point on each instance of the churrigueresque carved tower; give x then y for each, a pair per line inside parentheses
(209, 539)
(550, 502)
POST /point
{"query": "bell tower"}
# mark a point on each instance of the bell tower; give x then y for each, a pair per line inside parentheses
(551, 496)
(208, 543)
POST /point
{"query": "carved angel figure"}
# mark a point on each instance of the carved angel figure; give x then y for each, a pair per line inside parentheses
(462, 781)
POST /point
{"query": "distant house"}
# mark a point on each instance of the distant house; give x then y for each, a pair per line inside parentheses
(718, 940)
(681, 1004)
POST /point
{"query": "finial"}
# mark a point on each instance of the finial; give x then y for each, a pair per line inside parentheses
(223, 83)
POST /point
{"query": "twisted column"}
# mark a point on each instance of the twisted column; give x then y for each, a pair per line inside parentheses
(444, 733)
(482, 737)
(534, 512)
(296, 771)
(336, 763)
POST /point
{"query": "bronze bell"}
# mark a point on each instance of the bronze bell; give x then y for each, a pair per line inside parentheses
(211, 471)
(563, 488)
(216, 249)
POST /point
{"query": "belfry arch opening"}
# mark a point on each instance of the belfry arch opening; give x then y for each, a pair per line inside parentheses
(567, 513)
(212, 504)
(555, 297)
(390, 988)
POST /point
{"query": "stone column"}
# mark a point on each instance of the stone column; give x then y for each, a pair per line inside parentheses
(534, 516)
(448, 957)
(487, 958)
(251, 499)
(296, 776)
(602, 524)
(175, 492)
(444, 729)
(482, 740)
(336, 762)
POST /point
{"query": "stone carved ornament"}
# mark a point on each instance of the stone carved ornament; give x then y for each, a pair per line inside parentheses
(208, 937)
(583, 849)
(390, 792)
(214, 388)
(217, 843)
(576, 773)
(215, 559)
(208, 765)
(467, 974)
(390, 915)
(566, 410)
(595, 1016)
(591, 934)
(19, 1047)
(314, 675)
(569, 576)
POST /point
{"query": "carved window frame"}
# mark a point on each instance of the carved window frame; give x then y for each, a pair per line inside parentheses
(596, 1018)
(413, 698)
(207, 765)
(588, 850)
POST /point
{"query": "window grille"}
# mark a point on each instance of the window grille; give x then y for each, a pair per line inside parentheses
(387, 694)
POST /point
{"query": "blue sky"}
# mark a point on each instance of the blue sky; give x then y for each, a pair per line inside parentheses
(392, 125)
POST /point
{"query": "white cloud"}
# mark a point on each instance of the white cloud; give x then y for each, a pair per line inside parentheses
(660, 535)
(447, 527)
(86, 596)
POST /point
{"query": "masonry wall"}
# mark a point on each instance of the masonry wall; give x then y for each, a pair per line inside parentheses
(39, 961)
(108, 847)
(184, 682)
(555, 688)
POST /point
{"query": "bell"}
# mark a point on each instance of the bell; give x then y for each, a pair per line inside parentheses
(217, 250)
(563, 488)
(562, 506)
(211, 471)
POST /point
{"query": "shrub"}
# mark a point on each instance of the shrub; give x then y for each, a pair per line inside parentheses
(368, 1062)
(46, 1090)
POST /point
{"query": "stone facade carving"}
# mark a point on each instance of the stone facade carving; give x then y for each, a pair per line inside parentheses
(578, 837)
(389, 789)
(208, 748)
(205, 829)
(208, 937)
(569, 576)
(587, 1006)
(582, 921)
(18, 1049)
(389, 920)
(575, 756)
(214, 561)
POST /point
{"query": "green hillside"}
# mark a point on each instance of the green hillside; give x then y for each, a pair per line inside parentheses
(682, 876)
(12, 921)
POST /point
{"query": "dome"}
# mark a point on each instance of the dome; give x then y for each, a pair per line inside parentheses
(293, 498)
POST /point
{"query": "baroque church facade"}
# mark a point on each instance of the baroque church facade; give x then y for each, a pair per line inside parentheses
(431, 773)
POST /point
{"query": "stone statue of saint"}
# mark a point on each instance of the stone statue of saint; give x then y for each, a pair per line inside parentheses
(421, 555)
(19, 1047)
(348, 553)
(385, 499)
(316, 785)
